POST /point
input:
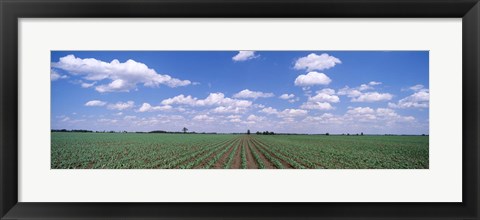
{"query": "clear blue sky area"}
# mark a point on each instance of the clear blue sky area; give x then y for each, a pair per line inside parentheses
(374, 92)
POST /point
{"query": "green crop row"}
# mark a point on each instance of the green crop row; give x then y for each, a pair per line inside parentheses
(187, 151)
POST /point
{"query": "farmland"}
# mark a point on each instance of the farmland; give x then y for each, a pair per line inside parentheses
(70, 150)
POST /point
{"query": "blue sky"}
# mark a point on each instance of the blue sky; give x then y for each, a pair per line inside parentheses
(374, 92)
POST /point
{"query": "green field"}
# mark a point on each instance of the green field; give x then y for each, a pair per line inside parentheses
(71, 150)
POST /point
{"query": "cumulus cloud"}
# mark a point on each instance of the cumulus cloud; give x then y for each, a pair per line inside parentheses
(316, 62)
(322, 100)
(287, 113)
(107, 120)
(286, 96)
(359, 94)
(146, 107)
(325, 95)
(292, 113)
(228, 109)
(95, 103)
(255, 118)
(121, 105)
(54, 75)
(123, 76)
(364, 87)
(417, 87)
(317, 106)
(246, 93)
(324, 119)
(87, 85)
(419, 99)
(367, 114)
(312, 78)
(349, 92)
(269, 110)
(373, 97)
(293, 100)
(205, 118)
(361, 110)
(129, 117)
(244, 55)
(218, 99)
(235, 120)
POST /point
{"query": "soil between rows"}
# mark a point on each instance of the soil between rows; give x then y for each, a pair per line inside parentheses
(205, 161)
(285, 164)
(266, 162)
(251, 164)
(200, 155)
(237, 158)
(302, 162)
(224, 159)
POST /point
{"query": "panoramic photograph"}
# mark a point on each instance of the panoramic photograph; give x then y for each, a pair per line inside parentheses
(239, 109)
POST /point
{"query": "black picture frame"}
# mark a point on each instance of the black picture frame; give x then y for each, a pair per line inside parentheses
(12, 10)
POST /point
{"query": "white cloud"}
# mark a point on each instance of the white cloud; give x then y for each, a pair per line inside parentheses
(108, 121)
(95, 103)
(349, 92)
(358, 95)
(361, 110)
(312, 78)
(246, 93)
(292, 113)
(255, 118)
(54, 75)
(417, 87)
(367, 114)
(368, 86)
(228, 109)
(203, 118)
(322, 100)
(325, 95)
(235, 120)
(121, 105)
(419, 99)
(372, 97)
(364, 87)
(180, 100)
(287, 113)
(218, 99)
(244, 55)
(317, 105)
(87, 85)
(390, 115)
(146, 107)
(130, 117)
(258, 106)
(325, 118)
(327, 91)
(286, 96)
(123, 76)
(316, 62)
(293, 100)
(269, 110)
(234, 116)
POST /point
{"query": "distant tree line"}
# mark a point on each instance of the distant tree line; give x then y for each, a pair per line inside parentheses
(65, 130)
(185, 131)
(265, 133)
